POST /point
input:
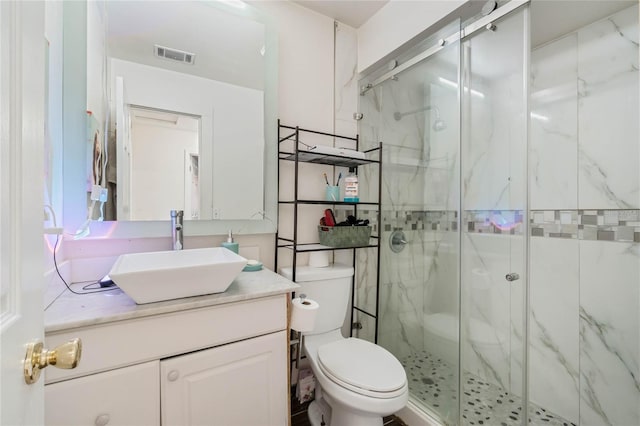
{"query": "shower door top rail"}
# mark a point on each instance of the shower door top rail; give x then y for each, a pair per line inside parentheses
(465, 32)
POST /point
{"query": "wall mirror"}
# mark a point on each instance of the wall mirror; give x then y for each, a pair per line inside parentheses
(185, 92)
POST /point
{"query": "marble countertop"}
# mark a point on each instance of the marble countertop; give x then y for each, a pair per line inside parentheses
(70, 310)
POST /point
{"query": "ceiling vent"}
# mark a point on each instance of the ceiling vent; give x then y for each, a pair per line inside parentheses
(174, 54)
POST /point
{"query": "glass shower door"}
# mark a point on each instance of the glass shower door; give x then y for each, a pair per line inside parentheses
(494, 229)
(416, 114)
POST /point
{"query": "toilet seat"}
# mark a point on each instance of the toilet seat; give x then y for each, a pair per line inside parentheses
(362, 367)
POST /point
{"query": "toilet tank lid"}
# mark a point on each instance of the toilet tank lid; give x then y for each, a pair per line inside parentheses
(309, 273)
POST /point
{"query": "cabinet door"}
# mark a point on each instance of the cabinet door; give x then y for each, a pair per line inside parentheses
(239, 384)
(125, 396)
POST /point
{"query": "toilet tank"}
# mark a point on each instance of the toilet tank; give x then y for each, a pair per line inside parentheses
(330, 287)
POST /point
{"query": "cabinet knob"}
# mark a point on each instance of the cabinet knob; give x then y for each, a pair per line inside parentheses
(173, 375)
(102, 420)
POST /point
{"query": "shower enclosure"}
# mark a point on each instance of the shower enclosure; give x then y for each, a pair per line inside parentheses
(510, 262)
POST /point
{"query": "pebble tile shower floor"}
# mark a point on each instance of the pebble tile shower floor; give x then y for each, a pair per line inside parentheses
(434, 382)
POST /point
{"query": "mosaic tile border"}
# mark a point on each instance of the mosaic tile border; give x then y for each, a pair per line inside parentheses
(589, 225)
(417, 220)
(493, 222)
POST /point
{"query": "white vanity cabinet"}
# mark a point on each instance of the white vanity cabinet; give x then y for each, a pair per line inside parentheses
(216, 365)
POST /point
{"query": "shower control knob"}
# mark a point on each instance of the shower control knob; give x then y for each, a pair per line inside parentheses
(512, 277)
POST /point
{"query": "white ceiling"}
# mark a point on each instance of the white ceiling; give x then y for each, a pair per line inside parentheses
(351, 12)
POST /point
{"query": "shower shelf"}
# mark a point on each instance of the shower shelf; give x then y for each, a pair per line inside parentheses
(293, 153)
(307, 247)
(328, 159)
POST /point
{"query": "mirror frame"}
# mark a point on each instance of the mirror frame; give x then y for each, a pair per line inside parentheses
(74, 128)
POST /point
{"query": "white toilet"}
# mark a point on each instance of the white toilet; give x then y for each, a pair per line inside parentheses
(358, 382)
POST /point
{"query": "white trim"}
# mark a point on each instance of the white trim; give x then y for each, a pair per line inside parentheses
(412, 415)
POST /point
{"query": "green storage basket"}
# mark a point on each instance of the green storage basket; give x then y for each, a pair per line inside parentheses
(344, 236)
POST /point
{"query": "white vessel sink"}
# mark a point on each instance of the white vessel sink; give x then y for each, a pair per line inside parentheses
(165, 275)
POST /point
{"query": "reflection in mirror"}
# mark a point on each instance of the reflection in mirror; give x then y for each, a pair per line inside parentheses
(198, 73)
(168, 140)
(202, 61)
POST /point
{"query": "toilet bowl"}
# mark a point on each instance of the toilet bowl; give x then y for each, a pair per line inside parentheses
(361, 382)
(358, 382)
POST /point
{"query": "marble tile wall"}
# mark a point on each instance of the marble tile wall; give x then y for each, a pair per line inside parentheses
(608, 149)
(554, 349)
(609, 324)
(554, 133)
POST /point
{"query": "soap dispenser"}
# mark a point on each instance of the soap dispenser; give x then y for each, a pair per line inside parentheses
(230, 244)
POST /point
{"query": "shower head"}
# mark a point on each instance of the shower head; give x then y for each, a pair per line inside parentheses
(438, 124)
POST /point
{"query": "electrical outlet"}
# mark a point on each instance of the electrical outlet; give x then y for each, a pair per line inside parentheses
(216, 213)
(104, 192)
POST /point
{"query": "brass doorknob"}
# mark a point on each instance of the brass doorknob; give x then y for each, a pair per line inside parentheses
(65, 356)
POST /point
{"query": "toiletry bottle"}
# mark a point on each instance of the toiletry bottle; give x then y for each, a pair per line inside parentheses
(230, 244)
(351, 186)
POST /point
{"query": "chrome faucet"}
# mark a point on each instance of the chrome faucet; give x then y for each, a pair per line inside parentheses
(176, 229)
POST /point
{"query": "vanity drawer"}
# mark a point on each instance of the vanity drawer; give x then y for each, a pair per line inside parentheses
(122, 343)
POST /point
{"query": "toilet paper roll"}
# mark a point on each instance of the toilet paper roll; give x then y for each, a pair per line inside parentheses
(303, 314)
(319, 259)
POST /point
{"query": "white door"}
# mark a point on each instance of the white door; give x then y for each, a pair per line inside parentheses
(191, 187)
(22, 78)
(123, 152)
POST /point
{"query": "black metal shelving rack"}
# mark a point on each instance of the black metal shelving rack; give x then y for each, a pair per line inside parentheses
(298, 156)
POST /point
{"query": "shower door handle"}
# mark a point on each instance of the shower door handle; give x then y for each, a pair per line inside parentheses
(512, 276)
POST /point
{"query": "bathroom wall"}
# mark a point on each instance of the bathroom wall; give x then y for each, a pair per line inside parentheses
(53, 132)
(395, 24)
(96, 45)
